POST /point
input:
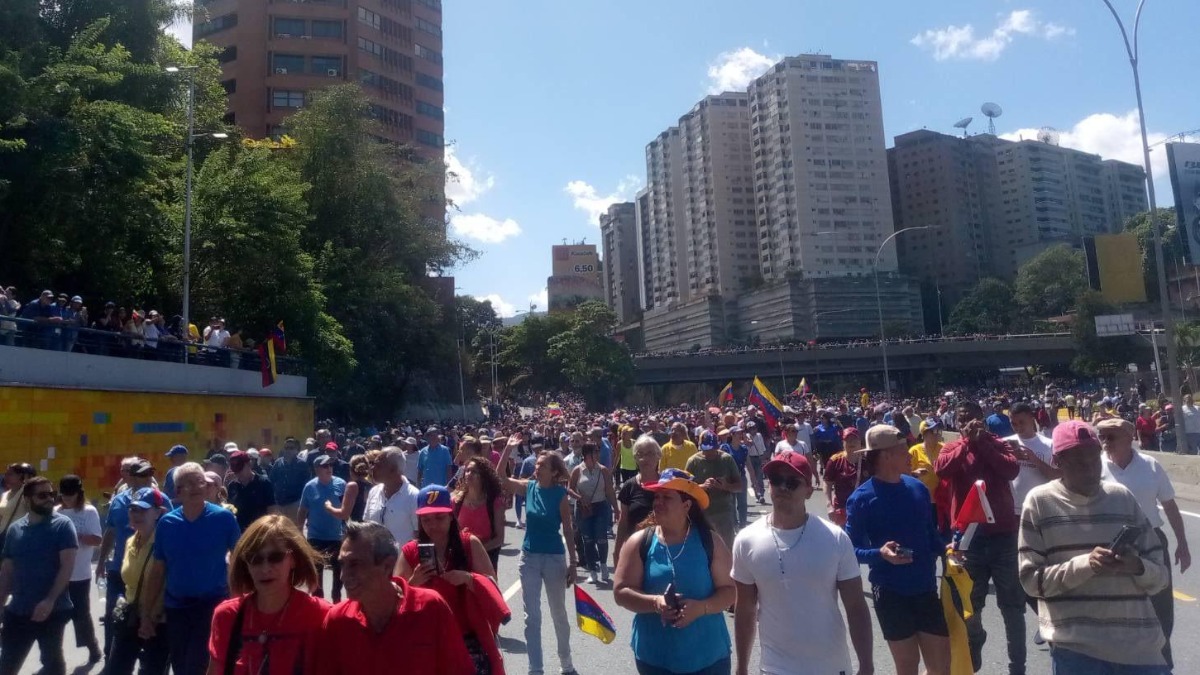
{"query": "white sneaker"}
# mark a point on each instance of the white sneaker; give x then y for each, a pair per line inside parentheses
(592, 578)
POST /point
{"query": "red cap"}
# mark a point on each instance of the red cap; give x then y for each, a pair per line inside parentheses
(793, 462)
(331, 447)
(850, 431)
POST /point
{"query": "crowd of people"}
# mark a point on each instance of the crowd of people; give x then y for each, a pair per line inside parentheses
(63, 323)
(219, 566)
(840, 344)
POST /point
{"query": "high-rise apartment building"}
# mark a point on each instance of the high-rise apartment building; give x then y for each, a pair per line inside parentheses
(277, 52)
(820, 168)
(619, 245)
(642, 214)
(666, 231)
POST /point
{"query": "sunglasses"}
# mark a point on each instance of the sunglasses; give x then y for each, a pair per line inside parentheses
(44, 494)
(785, 482)
(268, 557)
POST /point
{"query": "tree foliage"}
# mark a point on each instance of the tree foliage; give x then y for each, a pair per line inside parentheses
(989, 308)
(594, 364)
(1097, 356)
(1174, 249)
(1048, 284)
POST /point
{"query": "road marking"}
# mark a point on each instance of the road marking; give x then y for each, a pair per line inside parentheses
(1184, 597)
(512, 590)
(1186, 513)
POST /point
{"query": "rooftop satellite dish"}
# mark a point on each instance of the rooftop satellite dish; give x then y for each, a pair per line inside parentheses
(963, 124)
(1048, 135)
(991, 111)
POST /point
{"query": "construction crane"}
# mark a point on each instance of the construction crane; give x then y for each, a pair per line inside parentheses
(1181, 137)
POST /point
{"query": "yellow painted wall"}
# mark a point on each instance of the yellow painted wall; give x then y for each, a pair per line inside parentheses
(88, 432)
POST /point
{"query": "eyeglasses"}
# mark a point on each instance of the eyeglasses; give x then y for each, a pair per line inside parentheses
(44, 494)
(1108, 437)
(268, 557)
(784, 482)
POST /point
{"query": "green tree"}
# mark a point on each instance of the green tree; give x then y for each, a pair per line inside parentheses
(988, 308)
(595, 365)
(523, 354)
(1097, 356)
(1048, 284)
(1174, 249)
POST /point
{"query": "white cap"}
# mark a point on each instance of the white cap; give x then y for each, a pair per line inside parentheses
(230, 447)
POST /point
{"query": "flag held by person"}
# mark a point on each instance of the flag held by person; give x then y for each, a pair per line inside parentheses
(770, 406)
(276, 343)
(802, 388)
(726, 394)
(592, 619)
(976, 509)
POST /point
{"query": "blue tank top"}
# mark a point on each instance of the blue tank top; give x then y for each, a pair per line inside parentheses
(543, 520)
(702, 643)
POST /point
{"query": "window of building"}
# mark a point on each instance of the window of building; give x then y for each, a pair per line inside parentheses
(326, 29)
(429, 110)
(287, 98)
(228, 54)
(287, 28)
(330, 66)
(435, 5)
(428, 27)
(428, 54)
(429, 138)
(369, 18)
(230, 86)
(282, 64)
(217, 24)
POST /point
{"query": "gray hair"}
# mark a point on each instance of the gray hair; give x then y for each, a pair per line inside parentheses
(188, 468)
(646, 442)
(383, 544)
(394, 455)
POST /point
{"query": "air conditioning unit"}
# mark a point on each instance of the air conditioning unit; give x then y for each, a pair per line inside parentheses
(283, 35)
(305, 37)
(333, 72)
(281, 71)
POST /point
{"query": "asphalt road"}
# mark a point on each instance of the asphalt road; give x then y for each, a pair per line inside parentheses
(591, 656)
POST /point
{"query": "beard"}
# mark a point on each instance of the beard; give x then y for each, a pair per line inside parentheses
(41, 508)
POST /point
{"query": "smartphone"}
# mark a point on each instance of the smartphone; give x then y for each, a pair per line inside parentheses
(904, 551)
(673, 598)
(427, 555)
(1123, 543)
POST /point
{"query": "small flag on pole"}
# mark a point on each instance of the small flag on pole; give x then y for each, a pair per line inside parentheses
(802, 388)
(762, 397)
(726, 394)
(975, 509)
(591, 618)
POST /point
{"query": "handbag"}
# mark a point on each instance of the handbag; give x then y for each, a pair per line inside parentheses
(125, 614)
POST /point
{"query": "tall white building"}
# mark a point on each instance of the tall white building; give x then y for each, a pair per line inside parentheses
(820, 168)
(619, 246)
(665, 232)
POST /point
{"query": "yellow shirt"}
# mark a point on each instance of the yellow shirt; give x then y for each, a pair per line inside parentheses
(133, 566)
(865, 401)
(676, 456)
(628, 461)
(919, 459)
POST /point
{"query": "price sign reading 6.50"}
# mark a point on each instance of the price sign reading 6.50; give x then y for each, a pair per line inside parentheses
(580, 269)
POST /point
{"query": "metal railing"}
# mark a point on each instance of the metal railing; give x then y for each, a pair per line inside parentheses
(802, 346)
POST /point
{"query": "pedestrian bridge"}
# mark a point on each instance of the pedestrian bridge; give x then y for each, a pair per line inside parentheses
(904, 357)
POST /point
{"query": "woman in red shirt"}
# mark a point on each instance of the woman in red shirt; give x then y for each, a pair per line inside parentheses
(271, 624)
(479, 506)
(452, 571)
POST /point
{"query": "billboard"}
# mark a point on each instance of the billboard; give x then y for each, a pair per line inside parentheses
(575, 260)
(1184, 162)
(1113, 269)
(1111, 325)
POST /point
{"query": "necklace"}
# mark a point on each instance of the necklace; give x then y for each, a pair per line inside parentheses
(780, 549)
(264, 637)
(672, 558)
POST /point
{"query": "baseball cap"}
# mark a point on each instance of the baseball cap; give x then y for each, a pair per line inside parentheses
(680, 481)
(148, 498)
(230, 446)
(323, 460)
(177, 450)
(331, 447)
(212, 478)
(76, 298)
(219, 459)
(410, 441)
(1115, 424)
(434, 499)
(709, 441)
(883, 436)
(1073, 434)
(141, 469)
(793, 462)
(238, 459)
(929, 424)
(850, 431)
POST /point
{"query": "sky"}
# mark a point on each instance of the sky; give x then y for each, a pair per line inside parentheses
(550, 103)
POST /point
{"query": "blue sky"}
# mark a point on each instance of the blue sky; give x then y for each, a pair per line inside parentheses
(550, 103)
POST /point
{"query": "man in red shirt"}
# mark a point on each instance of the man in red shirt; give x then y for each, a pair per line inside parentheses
(1147, 428)
(992, 556)
(843, 474)
(385, 622)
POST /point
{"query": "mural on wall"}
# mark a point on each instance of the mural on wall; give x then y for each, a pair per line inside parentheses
(62, 431)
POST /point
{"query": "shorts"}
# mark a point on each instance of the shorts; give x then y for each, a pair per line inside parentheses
(903, 616)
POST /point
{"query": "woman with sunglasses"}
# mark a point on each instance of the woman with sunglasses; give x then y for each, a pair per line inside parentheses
(674, 574)
(134, 641)
(455, 570)
(272, 623)
(637, 503)
(74, 505)
(543, 555)
(594, 512)
(479, 506)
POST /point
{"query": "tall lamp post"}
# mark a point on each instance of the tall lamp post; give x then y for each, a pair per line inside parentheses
(187, 193)
(887, 378)
(1132, 50)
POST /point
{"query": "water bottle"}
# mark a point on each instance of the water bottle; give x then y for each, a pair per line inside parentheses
(102, 582)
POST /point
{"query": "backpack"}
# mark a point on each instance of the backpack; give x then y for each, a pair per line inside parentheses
(706, 540)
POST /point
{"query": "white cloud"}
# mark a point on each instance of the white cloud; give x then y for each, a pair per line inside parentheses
(961, 42)
(735, 70)
(503, 309)
(1112, 137)
(484, 228)
(465, 181)
(539, 300)
(588, 199)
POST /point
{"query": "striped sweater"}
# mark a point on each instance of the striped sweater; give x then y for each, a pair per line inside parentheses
(1107, 617)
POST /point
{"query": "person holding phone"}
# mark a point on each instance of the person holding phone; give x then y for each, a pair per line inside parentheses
(889, 521)
(1095, 605)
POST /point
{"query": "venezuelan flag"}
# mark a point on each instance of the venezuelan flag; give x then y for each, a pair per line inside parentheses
(266, 357)
(278, 338)
(726, 393)
(591, 618)
(801, 388)
(770, 406)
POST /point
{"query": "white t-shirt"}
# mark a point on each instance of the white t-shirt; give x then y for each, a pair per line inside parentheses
(1029, 476)
(86, 521)
(1146, 479)
(799, 619)
(783, 446)
(412, 466)
(398, 514)
(804, 434)
(758, 447)
(1191, 419)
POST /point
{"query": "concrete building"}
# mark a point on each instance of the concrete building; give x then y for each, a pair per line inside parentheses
(622, 283)
(666, 232)
(645, 278)
(576, 277)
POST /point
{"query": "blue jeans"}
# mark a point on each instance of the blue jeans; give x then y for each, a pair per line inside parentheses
(188, 630)
(993, 558)
(519, 507)
(593, 528)
(1193, 445)
(743, 510)
(536, 570)
(17, 638)
(722, 667)
(1067, 662)
(755, 464)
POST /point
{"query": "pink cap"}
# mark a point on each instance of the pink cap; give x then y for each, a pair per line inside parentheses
(1074, 434)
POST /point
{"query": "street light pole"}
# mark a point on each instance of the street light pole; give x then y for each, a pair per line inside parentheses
(1131, 49)
(887, 379)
